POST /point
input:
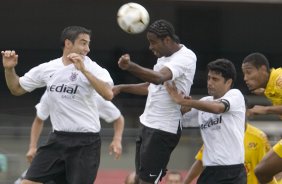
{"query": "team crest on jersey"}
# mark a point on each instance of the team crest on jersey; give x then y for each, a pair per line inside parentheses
(252, 145)
(73, 76)
(279, 82)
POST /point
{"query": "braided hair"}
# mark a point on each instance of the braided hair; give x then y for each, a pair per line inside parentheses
(163, 28)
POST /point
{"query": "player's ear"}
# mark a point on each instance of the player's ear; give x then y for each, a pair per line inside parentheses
(263, 68)
(229, 82)
(167, 39)
(68, 43)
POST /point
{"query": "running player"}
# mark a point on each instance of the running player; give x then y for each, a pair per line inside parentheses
(221, 117)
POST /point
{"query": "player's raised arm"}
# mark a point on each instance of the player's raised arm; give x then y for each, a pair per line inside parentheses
(145, 74)
(103, 88)
(10, 60)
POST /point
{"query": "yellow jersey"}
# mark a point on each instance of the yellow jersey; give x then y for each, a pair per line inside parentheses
(277, 148)
(273, 90)
(256, 146)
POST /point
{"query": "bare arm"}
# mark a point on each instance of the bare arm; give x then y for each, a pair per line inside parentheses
(137, 89)
(10, 60)
(116, 145)
(35, 133)
(258, 109)
(103, 88)
(216, 107)
(207, 106)
(195, 170)
(268, 167)
(144, 74)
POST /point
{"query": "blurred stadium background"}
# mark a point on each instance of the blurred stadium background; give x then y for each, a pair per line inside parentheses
(212, 28)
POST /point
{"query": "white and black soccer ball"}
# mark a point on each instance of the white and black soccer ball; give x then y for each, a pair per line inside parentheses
(133, 18)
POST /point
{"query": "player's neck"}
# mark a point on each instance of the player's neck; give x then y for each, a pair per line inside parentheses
(66, 61)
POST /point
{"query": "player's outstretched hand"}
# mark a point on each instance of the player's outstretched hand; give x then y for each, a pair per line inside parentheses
(124, 62)
(10, 59)
(173, 92)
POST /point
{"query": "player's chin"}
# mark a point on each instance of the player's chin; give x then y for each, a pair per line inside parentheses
(252, 89)
(211, 92)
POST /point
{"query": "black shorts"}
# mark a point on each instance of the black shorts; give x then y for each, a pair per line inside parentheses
(231, 174)
(153, 150)
(73, 155)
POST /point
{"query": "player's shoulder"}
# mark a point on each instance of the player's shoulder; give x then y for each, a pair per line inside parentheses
(235, 91)
(277, 70)
(53, 62)
(89, 62)
(186, 52)
(256, 133)
(49, 65)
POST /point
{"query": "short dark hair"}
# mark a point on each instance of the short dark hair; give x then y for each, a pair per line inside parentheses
(257, 60)
(225, 67)
(71, 33)
(162, 29)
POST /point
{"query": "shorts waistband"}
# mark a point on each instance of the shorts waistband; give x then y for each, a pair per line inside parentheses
(226, 166)
(76, 133)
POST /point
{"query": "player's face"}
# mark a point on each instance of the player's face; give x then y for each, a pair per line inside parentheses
(217, 85)
(157, 45)
(173, 179)
(252, 76)
(81, 45)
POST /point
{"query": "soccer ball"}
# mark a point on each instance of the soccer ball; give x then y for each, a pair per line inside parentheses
(133, 18)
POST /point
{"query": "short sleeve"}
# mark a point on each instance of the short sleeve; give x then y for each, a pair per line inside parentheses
(32, 79)
(42, 108)
(235, 99)
(107, 110)
(182, 64)
(99, 72)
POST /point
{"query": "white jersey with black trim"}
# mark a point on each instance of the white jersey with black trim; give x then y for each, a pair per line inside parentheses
(69, 94)
(223, 134)
(161, 112)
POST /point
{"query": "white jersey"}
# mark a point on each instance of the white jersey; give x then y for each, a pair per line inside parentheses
(223, 134)
(161, 112)
(70, 95)
(107, 110)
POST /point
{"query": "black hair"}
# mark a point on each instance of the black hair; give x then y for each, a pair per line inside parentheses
(257, 60)
(71, 33)
(225, 67)
(162, 29)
